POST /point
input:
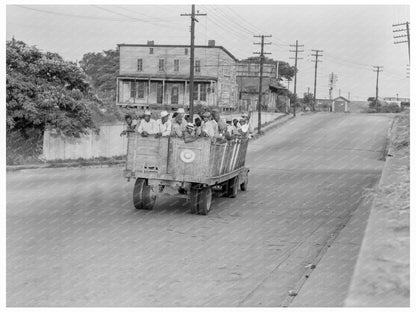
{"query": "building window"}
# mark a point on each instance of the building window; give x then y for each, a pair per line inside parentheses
(197, 66)
(141, 89)
(161, 65)
(133, 89)
(150, 50)
(186, 51)
(139, 65)
(176, 65)
(203, 92)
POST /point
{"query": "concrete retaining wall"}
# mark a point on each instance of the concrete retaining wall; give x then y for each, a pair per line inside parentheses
(106, 144)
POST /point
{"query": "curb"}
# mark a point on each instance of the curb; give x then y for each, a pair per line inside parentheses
(111, 163)
(359, 294)
(273, 125)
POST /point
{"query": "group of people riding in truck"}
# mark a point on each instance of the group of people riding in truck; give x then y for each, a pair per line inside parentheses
(206, 124)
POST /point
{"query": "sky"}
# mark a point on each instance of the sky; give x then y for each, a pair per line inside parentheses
(354, 38)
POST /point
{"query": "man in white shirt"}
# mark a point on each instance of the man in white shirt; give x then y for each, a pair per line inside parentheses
(179, 124)
(147, 126)
(209, 127)
(163, 125)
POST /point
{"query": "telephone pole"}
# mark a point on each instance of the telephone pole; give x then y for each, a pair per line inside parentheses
(296, 46)
(401, 35)
(316, 71)
(331, 83)
(378, 69)
(262, 53)
(192, 61)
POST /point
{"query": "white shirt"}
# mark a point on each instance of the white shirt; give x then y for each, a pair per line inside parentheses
(210, 128)
(150, 127)
(163, 128)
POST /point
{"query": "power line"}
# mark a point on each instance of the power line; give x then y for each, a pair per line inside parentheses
(262, 53)
(191, 75)
(378, 70)
(400, 35)
(316, 55)
(331, 83)
(296, 46)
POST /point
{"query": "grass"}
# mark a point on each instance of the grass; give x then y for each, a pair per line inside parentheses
(391, 254)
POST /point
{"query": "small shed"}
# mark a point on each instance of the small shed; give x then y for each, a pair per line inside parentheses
(340, 105)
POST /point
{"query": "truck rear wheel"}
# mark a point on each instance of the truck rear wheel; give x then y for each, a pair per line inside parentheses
(142, 198)
(201, 199)
(233, 185)
(243, 186)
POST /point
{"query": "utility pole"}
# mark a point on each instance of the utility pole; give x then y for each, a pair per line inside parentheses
(296, 46)
(400, 35)
(316, 71)
(378, 70)
(348, 95)
(262, 53)
(192, 61)
(331, 83)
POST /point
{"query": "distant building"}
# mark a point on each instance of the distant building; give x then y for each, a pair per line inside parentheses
(340, 105)
(248, 75)
(323, 105)
(157, 76)
(337, 105)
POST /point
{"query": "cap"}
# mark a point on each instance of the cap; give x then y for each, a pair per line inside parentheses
(244, 115)
(206, 114)
(215, 110)
(228, 118)
(163, 114)
(190, 125)
(180, 111)
(147, 112)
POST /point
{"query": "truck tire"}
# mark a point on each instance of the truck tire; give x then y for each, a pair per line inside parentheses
(142, 198)
(243, 186)
(194, 199)
(204, 200)
(233, 185)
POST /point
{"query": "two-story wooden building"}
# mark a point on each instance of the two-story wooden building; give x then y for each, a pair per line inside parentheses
(157, 76)
(248, 79)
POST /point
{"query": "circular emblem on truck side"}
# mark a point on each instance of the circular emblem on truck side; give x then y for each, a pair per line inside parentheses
(187, 156)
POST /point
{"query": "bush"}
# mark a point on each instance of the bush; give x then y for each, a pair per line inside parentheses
(390, 108)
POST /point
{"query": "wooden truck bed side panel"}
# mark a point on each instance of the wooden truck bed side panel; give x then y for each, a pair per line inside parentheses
(198, 168)
(160, 158)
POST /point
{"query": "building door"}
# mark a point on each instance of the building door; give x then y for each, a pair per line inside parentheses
(175, 96)
(159, 95)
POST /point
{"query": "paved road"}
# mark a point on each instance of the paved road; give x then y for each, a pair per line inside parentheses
(74, 239)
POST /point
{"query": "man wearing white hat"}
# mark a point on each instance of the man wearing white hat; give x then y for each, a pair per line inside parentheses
(148, 126)
(163, 125)
(179, 124)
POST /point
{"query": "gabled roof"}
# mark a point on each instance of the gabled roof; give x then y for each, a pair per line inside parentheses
(178, 46)
(342, 98)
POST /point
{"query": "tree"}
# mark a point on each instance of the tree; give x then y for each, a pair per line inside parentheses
(307, 98)
(102, 69)
(43, 90)
(286, 71)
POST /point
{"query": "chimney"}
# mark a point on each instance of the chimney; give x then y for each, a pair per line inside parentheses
(211, 43)
(150, 43)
